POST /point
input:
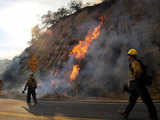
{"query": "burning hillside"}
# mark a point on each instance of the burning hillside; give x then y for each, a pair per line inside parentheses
(79, 51)
(86, 53)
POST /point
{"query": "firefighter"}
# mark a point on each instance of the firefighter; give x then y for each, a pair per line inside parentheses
(137, 88)
(31, 86)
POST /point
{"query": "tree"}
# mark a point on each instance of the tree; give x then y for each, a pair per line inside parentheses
(109, 1)
(47, 18)
(53, 17)
(61, 12)
(75, 5)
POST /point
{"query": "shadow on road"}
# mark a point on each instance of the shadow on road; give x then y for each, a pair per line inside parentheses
(58, 110)
(39, 110)
(85, 110)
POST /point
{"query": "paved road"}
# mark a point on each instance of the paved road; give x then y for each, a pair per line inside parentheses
(67, 110)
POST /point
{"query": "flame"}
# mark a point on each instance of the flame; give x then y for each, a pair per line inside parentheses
(81, 49)
(74, 73)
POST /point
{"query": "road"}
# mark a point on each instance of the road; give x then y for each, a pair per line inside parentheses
(12, 109)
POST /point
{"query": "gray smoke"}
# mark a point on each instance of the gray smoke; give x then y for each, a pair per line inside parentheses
(107, 62)
(104, 70)
(61, 81)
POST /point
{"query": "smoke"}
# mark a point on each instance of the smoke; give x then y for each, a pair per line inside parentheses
(3, 65)
(107, 62)
(14, 75)
(56, 81)
(105, 68)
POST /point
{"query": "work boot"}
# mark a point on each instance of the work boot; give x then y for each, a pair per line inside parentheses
(124, 114)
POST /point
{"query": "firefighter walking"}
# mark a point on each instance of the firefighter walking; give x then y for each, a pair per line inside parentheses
(31, 86)
(137, 87)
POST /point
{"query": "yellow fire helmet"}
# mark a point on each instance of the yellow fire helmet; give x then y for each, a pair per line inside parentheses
(132, 52)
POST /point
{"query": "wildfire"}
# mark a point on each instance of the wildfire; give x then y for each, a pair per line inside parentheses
(79, 51)
(74, 73)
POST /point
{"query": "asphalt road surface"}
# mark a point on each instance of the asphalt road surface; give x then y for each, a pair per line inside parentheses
(12, 109)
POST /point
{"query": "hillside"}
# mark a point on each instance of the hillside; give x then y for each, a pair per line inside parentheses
(109, 29)
(3, 65)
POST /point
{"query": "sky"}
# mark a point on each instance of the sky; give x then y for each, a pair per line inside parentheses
(18, 17)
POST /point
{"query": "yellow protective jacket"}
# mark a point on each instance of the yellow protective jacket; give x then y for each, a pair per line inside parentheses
(136, 70)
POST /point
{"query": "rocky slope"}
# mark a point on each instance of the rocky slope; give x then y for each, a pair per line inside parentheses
(104, 70)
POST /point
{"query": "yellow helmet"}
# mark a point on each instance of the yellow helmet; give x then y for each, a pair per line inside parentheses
(132, 52)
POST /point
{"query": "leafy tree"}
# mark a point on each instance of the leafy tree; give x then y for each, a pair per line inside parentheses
(52, 18)
(109, 1)
(75, 5)
(47, 18)
(61, 12)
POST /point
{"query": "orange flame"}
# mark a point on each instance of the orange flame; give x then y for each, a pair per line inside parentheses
(81, 49)
(74, 73)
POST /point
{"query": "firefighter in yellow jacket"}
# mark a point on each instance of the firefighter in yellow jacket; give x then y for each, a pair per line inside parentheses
(137, 87)
(31, 86)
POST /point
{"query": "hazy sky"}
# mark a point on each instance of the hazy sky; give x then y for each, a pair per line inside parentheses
(17, 17)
